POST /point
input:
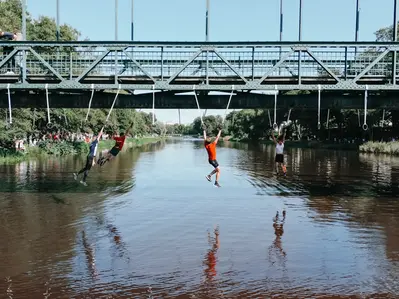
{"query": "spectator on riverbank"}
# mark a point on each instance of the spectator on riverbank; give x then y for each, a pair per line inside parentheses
(8, 36)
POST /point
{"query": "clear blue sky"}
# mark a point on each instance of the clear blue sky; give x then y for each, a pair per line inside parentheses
(230, 20)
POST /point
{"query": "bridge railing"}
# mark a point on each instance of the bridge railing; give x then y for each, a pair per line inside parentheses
(216, 66)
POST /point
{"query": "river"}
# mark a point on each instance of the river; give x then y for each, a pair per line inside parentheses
(149, 225)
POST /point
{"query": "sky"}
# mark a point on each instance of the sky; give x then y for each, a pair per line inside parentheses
(230, 20)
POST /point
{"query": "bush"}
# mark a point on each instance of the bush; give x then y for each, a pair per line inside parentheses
(11, 155)
(61, 148)
(380, 147)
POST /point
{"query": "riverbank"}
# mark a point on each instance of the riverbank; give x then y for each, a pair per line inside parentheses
(306, 144)
(390, 148)
(64, 148)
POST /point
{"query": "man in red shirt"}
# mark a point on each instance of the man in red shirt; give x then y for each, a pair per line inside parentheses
(119, 142)
(210, 147)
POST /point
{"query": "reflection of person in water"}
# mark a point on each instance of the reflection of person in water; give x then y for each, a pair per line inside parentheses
(278, 226)
(210, 259)
(120, 246)
(89, 251)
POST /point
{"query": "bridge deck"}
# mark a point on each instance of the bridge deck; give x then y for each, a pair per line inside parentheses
(208, 66)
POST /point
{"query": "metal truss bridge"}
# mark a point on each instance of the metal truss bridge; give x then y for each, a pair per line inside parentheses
(182, 66)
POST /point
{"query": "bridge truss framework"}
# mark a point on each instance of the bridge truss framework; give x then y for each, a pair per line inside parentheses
(184, 66)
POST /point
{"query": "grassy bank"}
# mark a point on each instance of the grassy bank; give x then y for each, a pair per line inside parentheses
(64, 148)
(129, 143)
(391, 148)
(308, 144)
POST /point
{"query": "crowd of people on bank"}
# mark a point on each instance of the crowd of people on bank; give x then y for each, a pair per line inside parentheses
(33, 140)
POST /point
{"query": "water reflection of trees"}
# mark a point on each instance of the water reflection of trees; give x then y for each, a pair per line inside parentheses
(358, 188)
(318, 172)
(53, 174)
(42, 208)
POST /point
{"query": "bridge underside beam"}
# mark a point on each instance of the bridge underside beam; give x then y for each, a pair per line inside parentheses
(168, 100)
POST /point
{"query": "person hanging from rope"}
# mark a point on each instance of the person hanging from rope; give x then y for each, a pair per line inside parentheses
(280, 152)
(119, 142)
(90, 158)
(210, 146)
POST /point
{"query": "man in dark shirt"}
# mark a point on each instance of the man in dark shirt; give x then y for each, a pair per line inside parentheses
(90, 158)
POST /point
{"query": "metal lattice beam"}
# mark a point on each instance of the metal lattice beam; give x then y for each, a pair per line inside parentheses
(177, 66)
(93, 65)
(184, 66)
(276, 66)
(325, 67)
(382, 55)
(46, 64)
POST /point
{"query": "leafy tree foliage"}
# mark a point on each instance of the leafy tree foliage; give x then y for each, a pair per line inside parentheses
(33, 122)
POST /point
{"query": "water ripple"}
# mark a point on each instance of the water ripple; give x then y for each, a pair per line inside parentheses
(150, 226)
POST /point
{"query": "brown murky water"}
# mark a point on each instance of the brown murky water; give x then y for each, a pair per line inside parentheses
(149, 225)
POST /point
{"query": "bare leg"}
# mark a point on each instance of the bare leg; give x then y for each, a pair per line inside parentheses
(213, 172)
(277, 165)
(284, 168)
(217, 174)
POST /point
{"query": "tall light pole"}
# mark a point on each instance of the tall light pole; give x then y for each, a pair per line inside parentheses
(300, 39)
(395, 21)
(300, 21)
(23, 3)
(116, 19)
(132, 21)
(24, 38)
(207, 21)
(58, 20)
(357, 21)
(395, 39)
(281, 20)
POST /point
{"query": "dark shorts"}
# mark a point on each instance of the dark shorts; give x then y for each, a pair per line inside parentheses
(279, 158)
(214, 163)
(114, 151)
(89, 163)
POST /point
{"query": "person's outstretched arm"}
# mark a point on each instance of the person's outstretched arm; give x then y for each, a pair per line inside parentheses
(128, 129)
(284, 136)
(100, 134)
(274, 138)
(218, 136)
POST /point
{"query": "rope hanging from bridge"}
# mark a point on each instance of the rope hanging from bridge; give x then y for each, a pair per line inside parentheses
(91, 98)
(9, 102)
(270, 119)
(328, 117)
(275, 126)
(228, 104)
(48, 106)
(113, 103)
(289, 114)
(153, 104)
(365, 126)
(383, 117)
(318, 107)
(199, 109)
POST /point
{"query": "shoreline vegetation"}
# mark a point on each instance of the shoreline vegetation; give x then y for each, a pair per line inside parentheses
(66, 148)
(372, 147)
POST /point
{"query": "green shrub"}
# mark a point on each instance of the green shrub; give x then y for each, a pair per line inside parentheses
(380, 147)
(62, 148)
